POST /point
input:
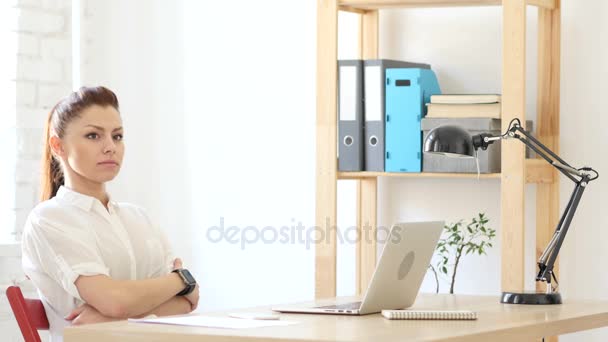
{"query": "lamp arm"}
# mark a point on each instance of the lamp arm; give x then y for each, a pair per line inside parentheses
(549, 255)
(483, 140)
(516, 131)
(586, 174)
(542, 151)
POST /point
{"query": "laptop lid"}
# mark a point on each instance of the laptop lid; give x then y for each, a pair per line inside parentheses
(403, 263)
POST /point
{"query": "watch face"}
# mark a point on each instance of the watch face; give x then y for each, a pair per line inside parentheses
(188, 277)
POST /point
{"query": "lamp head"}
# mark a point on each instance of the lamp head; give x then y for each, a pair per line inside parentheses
(451, 141)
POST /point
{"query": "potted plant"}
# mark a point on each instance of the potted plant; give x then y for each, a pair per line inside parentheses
(458, 241)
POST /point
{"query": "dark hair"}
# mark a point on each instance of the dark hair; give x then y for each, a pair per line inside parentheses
(59, 117)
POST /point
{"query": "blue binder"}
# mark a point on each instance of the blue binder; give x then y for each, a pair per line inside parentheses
(407, 93)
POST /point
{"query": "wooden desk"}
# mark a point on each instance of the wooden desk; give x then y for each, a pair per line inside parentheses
(497, 322)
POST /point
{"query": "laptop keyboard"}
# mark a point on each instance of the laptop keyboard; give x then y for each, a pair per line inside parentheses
(347, 306)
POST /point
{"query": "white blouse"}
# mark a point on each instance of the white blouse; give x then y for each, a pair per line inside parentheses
(74, 234)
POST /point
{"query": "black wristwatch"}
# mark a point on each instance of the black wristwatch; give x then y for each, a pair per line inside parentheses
(188, 279)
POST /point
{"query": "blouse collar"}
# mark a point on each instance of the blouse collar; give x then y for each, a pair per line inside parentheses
(82, 201)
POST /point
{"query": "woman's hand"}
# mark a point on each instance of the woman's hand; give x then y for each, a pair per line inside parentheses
(177, 263)
(86, 314)
(193, 296)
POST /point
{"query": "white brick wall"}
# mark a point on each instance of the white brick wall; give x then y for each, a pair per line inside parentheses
(48, 94)
(26, 92)
(41, 21)
(44, 65)
(28, 44)
(59, 48)
(41, 36)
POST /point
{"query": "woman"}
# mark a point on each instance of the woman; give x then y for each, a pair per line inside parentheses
(93, 259)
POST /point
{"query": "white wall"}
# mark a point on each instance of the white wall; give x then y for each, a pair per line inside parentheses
(35, 72)
(583, 142)
(250, 109)
(137, 52)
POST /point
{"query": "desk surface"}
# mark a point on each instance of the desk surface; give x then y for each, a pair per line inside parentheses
(497, 322)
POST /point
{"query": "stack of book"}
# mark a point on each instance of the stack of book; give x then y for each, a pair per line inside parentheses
(464, 106)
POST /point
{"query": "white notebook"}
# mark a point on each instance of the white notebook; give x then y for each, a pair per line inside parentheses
(430, 314)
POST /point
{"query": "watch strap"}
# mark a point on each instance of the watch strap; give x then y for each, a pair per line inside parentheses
(189, 287)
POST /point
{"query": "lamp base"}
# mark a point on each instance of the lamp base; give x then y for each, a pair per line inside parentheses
(531, 298)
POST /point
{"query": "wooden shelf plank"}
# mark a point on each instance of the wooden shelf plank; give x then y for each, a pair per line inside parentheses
(359, 175)
(359, 5)
(537, 171)
(386, 4)
(547, 4)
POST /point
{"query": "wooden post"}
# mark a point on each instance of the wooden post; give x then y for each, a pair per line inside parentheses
(367, 188)
(512, 159)
(326, 168)
(547, 194)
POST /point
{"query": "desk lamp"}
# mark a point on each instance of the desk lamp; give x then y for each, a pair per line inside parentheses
(454, 141)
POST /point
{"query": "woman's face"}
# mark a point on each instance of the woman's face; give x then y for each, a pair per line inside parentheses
(92, 146)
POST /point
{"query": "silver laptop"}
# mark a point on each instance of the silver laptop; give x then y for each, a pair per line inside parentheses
(399, 273)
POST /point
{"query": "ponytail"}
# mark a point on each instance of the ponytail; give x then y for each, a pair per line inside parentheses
(69, 108)
(52, 174)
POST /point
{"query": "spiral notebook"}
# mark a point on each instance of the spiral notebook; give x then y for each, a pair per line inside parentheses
(429, 314)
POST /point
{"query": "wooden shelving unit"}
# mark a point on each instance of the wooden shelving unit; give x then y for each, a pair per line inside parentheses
(516, 170)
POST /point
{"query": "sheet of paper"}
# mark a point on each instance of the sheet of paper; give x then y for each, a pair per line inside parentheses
(214, 322)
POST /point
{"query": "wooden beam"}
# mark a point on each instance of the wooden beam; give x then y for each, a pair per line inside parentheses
(547, 194)
(368, 35)
(367, 223)
(327, 165)
(373, 174)
(363, 5)
(548, 77)
(544, 4)
(386, 4)
(352, 10)
(367, 189)
(539, 171)
(512, 155)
